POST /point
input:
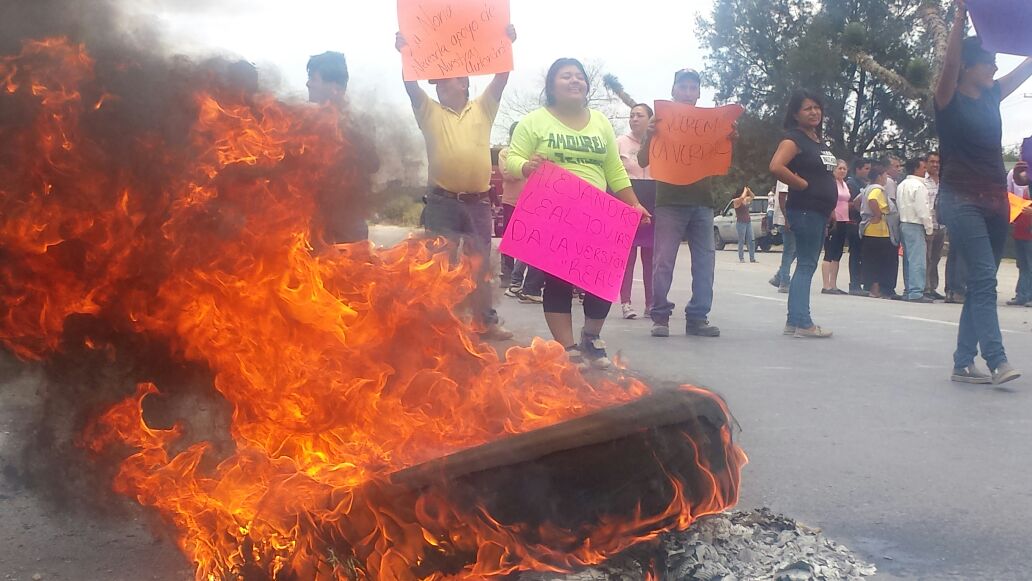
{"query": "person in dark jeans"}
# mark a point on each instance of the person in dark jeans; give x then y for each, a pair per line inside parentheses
(973, 192)
(683, 213)
(856, 184)
(804, 162)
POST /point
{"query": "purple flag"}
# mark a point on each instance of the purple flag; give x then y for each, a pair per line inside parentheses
(1003, 25)
(1026, 150)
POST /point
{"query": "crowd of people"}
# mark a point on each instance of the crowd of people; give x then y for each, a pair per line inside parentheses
(879, 209)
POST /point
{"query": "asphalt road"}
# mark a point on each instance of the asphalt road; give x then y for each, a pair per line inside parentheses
(862, 434)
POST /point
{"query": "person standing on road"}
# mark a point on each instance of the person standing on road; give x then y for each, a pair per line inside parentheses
(683, 213)
(879, 225)
(915, 217)
(457, 132)
(856, 183)
(1017, 184)
(558, 133)
(937, 241)
(743, 224)
(341, 219)
(524, 282)
(783, 276)
(630, 144)
(838, 230)
(804, 162)
(973, 191)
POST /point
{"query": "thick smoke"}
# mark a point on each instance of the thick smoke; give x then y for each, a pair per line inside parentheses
(148, 104)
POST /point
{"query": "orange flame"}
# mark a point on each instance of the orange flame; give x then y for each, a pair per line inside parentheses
(341, 368)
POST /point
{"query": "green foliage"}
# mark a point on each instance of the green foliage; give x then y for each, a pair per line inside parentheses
(762, 50)
(398, 204)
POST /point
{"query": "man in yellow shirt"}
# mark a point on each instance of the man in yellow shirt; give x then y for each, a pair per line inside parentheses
(458, 150)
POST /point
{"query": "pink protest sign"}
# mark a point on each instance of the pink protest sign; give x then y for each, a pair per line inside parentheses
(573, 230)
(1003, 25)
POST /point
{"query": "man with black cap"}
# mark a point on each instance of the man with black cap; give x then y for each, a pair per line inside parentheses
(458, 146)
(682, 212)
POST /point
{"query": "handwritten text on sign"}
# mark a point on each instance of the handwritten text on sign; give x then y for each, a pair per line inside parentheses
(454, 38)
(691, 143)
(573, 230)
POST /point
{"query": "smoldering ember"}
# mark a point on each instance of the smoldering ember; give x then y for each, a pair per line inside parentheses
(200, 379)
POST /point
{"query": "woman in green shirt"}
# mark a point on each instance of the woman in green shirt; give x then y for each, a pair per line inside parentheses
(582, 141)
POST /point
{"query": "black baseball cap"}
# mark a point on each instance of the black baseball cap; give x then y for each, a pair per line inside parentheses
(687, 74)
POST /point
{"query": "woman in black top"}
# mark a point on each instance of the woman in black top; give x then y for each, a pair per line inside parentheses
(804, 163)
(973, 191)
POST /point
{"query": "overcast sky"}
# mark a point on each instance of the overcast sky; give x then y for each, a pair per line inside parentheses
(642, 42)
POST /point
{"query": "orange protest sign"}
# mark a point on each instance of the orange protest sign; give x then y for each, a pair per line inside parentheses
(1017, 204)
(691, 143)
(454, 38)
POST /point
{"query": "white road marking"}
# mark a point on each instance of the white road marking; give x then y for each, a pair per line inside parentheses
(762, 298)
(948, 323)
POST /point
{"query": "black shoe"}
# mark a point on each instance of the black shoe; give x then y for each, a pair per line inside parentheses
(922, 300)
(955, 298)
(701, 328)
(894, 297)
(775, 281)
(859, 292)
(935, 296)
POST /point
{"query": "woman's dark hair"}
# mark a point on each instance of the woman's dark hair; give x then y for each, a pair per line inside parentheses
(553, 72)
(877, 170)
(644, 106)
(795, 105)
(972, 53)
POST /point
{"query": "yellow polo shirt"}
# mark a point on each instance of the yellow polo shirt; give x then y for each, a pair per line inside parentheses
(458, 144)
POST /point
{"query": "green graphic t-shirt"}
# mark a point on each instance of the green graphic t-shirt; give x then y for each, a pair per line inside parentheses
(591, 153)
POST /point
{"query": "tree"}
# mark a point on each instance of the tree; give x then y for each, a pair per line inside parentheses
(872, 59)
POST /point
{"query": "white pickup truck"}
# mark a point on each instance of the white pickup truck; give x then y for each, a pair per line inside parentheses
(725, 230)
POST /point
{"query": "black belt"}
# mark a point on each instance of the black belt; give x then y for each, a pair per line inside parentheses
(461, 196)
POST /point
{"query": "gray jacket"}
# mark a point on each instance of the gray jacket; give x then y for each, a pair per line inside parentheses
(891, 219)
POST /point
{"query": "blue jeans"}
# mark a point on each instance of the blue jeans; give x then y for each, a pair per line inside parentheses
(915, 260)
(674, 223)
(809, 228)
(469, 224)
(1023, 253)
(527, 278)
(746, 237)
(978, 235)
(788, 255)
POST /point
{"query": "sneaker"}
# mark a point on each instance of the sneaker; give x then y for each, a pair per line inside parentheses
(789, 330)
(783, 289)
(661, 327)
(701, 328)
(922, 300)
(594, 350)
(513, 291)
(628, 311)
(496, 332)
(528, 299)
(573, 353)
(1004, 373)
(970, 374)
(775, 281)
(813, 332)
